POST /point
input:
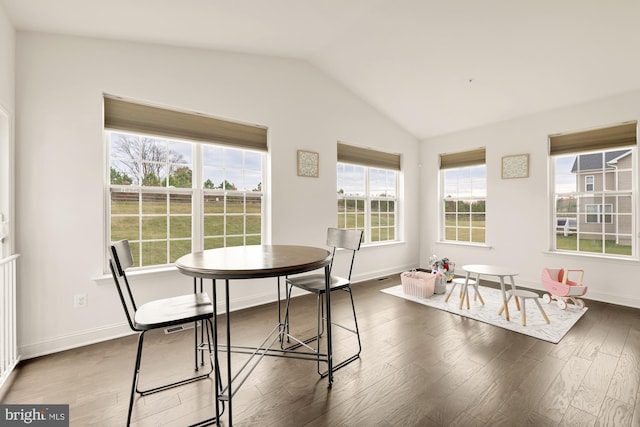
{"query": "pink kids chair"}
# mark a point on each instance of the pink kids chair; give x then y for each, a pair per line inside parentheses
(556, 282)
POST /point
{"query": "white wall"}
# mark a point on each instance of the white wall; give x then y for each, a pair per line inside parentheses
(7, 61)
(7, 107)
(518, 210)
(61, 164)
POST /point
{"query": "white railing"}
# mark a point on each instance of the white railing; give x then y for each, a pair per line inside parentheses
(8, 338)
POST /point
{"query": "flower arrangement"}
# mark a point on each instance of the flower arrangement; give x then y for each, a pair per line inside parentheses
(443, 267)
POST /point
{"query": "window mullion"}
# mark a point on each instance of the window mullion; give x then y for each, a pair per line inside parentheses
(168, 219)
(197, 201)
(367, 206)
(140, 193)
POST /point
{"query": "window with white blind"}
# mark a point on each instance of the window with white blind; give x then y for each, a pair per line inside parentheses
(180, 182)
(368, 192)
(593, 188)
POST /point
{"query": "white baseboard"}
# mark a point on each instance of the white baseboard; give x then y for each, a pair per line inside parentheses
(623, 300)
(117, 330)
(78, 339)
(382, 273)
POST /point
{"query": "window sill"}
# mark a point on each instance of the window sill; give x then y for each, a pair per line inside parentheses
(466, 244)
(147, 272)
(150, 272)
(386, 243)
(606, 258)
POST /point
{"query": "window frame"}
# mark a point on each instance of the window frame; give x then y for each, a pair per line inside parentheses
(446, 200)
(620, 137)
(366, 200)
(602, 216)
(588, 178)
(197, 192)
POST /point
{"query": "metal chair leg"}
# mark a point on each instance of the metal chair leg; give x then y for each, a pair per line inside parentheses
(321, 314)
(136, 375)
(136, 372)
(355, 331)
(320, 308)
(320, 323)
(285, 327)
(355, 320)
(321, 330)
(217, 384)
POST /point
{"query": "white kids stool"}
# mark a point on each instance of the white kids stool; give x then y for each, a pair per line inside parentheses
(524, 296)
(464, 290)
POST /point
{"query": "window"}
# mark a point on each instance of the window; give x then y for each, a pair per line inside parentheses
(593, 188)
(233, 207)
(367, 195)
(588, 183)
(464, 195)
(596, 214)
(171, 196)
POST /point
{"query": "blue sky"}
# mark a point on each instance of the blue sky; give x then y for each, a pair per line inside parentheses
(351, 179)
(565, 180)
(466, 182)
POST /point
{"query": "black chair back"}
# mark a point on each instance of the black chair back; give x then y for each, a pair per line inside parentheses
(121, 259)
(340, 238)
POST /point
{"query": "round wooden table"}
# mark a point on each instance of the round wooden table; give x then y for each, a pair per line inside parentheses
(253, 262)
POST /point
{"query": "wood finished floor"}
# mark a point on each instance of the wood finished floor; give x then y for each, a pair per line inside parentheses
(419, 367)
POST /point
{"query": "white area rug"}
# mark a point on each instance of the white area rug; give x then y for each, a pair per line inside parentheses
(561, 320)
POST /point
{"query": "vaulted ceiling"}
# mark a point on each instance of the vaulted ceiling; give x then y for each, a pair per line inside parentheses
(432, 66)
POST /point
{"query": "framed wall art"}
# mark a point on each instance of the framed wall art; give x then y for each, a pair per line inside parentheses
(516, 166)
(308, 163)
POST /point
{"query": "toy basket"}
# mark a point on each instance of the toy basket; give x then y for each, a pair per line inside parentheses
(418, 283)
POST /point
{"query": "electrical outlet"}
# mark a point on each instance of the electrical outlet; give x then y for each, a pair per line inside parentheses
(80, 300)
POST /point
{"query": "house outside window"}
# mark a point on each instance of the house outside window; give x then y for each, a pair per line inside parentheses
(463, 195)
(593, 189)
(170, 197)
(367, 191)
